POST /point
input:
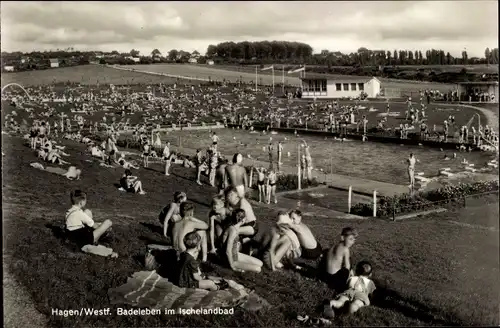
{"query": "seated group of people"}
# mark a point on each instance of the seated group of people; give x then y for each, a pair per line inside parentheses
(48, 151)
(232, 235)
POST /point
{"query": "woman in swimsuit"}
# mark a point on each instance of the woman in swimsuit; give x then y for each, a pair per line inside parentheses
(231, 243)
(271, 187)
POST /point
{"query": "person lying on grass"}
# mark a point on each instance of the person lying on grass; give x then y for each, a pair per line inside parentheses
(188, 274)
(236, 260)
(218, 222)
(188, 224)
(130, 183)
(360, 290)
(170, 214)
(336, 265)
(54, 157)
(124, 163)
(80, 226)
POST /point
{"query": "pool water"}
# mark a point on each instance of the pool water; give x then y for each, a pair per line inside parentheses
(369, 160)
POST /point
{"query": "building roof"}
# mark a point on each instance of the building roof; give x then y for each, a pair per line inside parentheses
(339, 78)
(54, 60)
(479, 83)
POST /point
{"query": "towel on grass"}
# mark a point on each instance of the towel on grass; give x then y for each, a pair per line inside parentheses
(148, 289)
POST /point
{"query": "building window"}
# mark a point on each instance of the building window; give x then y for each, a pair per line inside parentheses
(318, 86)
(361, 87)
(305, 85)
(346, 86)
(338, 86)
(323, 86)
(353, 86)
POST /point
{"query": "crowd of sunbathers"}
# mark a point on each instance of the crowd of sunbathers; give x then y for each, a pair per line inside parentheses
(233, 234)
(235, 237)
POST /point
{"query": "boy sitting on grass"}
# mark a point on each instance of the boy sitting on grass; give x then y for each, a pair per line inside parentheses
(130, 183)
(337, 262)
(188, 224)
(218, 223)
(188, 268)
(171, 213)
(360, 289)
(81, 228)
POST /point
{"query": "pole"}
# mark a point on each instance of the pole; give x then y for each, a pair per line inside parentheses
(255, 78)
(374, 203)
(299, 173)
(273, 77)
(349, 200)
(283, 79)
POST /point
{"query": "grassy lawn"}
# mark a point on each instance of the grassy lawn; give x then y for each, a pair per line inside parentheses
(429, 271)
(85, 75)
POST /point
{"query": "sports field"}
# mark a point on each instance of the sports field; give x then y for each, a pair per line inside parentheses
(247, 74)
(85, 75)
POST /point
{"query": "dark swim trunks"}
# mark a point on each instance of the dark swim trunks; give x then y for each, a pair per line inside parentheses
(312, 254)
(337, 281)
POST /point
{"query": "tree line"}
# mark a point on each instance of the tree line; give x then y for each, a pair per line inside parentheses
(266, 52)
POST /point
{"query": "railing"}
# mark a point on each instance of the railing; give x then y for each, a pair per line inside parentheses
(451, 203)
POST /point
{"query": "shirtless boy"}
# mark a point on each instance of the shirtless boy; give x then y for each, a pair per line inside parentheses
(337, 262)
(217, 217)
(261, 183)
(236, 176)
(172, 212)
(220, 177)
(188, 224)
(311, 249)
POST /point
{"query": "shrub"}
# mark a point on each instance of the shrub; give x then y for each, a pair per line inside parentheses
(451, 194)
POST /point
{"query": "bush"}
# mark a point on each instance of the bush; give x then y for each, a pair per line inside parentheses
(451, 194)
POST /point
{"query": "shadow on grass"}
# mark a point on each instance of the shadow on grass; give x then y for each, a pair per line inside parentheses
(392, 300)
(60, 234)
(387, 298)
(156, 229)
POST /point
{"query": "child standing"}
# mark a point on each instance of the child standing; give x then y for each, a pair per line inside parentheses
(360, 289)
(189, 274)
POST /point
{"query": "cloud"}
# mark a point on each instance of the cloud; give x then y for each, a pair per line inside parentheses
(344, 26)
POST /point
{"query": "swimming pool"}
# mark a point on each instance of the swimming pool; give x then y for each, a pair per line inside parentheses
(369, 160)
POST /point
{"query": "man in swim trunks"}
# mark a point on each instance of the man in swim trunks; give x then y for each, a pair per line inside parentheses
(411, 170)
(236, 176)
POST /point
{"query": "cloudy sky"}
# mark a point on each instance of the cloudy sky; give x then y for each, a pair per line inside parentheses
(344, 26)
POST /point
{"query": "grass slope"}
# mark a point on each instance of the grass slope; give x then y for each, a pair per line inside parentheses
(86, 75)
(429, 272)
